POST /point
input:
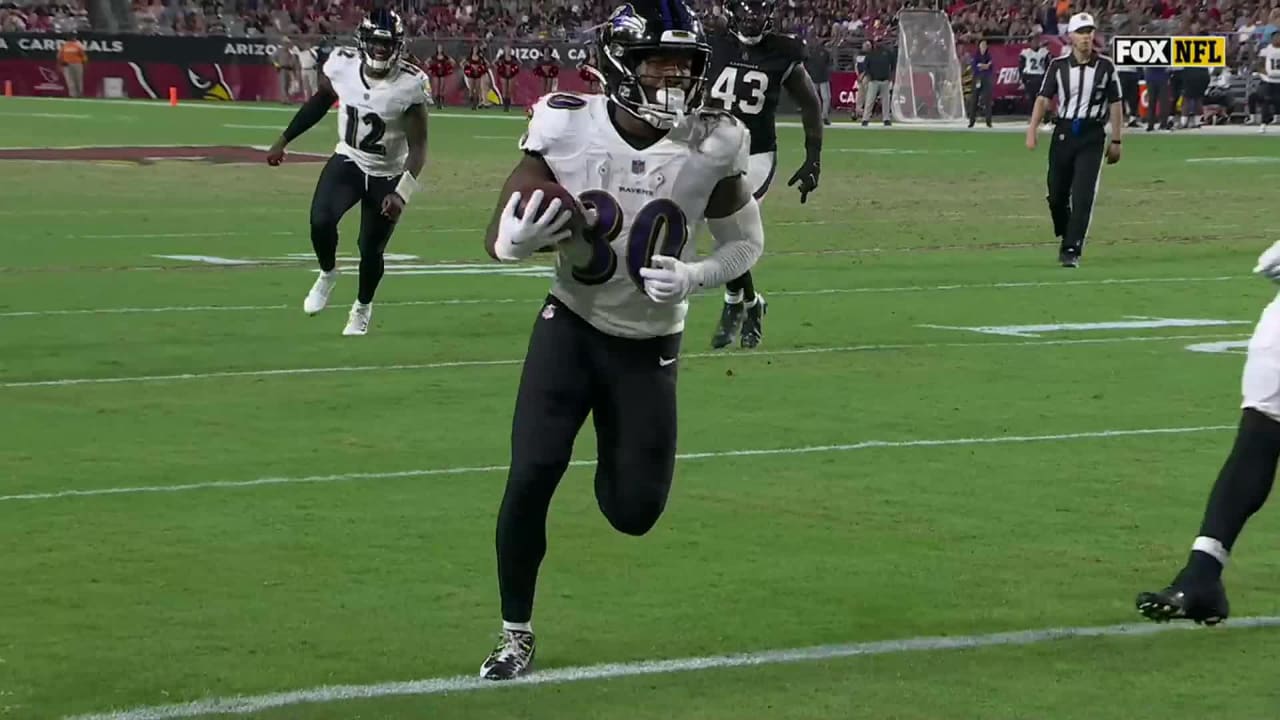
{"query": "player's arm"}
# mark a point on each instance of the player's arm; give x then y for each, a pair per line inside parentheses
(801, 89)
(415, 133)
(733, 217)
(508, 237)
(311, 112)
(1115, 97)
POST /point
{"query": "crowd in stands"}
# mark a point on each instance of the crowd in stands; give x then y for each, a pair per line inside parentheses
(827, 21)
(58, 17)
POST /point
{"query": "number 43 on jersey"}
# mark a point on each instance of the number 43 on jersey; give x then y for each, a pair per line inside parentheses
(748, 97)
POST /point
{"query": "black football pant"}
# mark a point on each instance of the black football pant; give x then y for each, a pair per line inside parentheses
(1129, 89)
(1159, 104)
(1265, 96)
(983, 93)
(1031, 89)
(629, 388)
(1075, 163)
(342, 184)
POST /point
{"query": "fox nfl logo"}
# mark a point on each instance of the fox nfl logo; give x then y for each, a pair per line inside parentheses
(1205, 51)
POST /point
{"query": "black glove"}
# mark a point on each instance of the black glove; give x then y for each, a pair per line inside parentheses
(808, 173)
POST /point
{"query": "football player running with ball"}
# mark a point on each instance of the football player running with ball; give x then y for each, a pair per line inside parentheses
(1243, 483)
(750, 66)
(648, 165)
(382, 146)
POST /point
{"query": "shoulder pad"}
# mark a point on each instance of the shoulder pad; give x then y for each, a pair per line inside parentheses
(336, 60)
(409, 68)
(792, 47)
(556, 124)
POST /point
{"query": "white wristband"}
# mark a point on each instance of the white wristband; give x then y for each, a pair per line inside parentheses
(407, 186)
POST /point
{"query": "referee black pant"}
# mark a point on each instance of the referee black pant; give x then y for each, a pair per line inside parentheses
(1075, 162)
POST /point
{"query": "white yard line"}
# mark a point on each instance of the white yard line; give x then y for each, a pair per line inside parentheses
(474, 469)
(519, 116)
(246, 704)
(534, 299)
(286, 372)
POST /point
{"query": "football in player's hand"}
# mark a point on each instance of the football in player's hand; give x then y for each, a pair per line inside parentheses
(551, 190)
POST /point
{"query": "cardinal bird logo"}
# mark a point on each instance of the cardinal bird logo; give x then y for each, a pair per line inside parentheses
(210, 86)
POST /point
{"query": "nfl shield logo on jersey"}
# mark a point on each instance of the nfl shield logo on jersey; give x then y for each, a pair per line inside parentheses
(637, 167)
(548, 312)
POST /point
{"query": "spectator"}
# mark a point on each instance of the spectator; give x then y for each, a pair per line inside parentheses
(72, 59)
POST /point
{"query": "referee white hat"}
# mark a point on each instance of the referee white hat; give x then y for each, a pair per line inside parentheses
(1081, 21)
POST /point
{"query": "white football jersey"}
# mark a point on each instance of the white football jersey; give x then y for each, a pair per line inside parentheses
(1034, 62)
(1270, 63)
(371, 112)
(648, 202)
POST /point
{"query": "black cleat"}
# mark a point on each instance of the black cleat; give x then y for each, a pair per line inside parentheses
(753, 324)
(512, 657)
(1069, 260)
(1204, 602)
(730, 322)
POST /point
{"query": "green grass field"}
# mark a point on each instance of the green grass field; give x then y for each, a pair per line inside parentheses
(1008, 491)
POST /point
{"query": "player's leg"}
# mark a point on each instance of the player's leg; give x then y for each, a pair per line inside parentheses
(989, 99)
(635, 422)
(551, 404)
(1086, 172)
(971, 105)
(744, 308)
(1061, 168)
(873, 89)
(1242, 487)
(1129, 86)
(339, 188)
(375, 233)
(1273, 94)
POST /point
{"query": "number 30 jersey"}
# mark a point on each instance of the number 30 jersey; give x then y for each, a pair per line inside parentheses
(746, 80)
(371, 111)
(647, 202)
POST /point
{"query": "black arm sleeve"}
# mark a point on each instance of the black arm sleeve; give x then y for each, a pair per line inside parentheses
(311, 112)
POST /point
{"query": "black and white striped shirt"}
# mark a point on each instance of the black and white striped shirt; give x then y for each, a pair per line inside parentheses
(1084, 91)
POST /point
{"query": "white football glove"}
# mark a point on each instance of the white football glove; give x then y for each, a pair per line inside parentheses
(1269, 263)
(669, 280)
(520, 237)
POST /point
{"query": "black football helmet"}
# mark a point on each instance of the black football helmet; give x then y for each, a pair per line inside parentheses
(639, 30)
(750, 20)
(381, 40)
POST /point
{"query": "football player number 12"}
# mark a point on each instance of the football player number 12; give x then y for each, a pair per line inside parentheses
(658, 228)
(726, 85)
(369, 143)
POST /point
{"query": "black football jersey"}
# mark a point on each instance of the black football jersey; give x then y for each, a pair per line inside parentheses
(746, 80)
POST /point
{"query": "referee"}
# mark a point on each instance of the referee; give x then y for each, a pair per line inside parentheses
(1087, 89)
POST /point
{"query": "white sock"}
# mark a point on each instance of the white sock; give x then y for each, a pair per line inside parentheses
(362, 306)
(753, 301)
(1212, 547)
(330, 273)
(522, 627)
(732, 298)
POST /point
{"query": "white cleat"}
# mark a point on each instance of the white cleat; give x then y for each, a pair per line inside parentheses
(358, 320)
(1262, 130)
(318, 296)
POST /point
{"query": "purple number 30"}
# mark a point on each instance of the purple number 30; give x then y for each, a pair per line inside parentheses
(659, 228)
